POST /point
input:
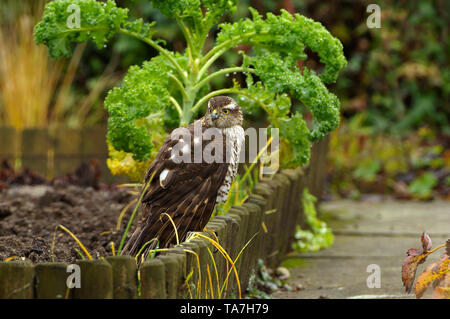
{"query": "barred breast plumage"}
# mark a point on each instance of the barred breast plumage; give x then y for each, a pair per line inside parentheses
(236, 137)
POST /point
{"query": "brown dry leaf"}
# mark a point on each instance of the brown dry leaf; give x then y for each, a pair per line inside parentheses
(442, 288)
(414, 258)
(426, 242)
(434, 273)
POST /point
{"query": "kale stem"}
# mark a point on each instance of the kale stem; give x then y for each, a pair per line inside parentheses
(188, 38)
(177, 106)
(210, 62)
(188, 101)
(230, 91)
(225, 46)
(139, 37)
(157, 47)
(179, 84)
(220, 72)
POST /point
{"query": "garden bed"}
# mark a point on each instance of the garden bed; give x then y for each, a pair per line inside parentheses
(29, 216)
(261, 228)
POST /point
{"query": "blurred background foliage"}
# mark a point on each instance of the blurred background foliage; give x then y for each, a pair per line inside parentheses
(38, 91)
(395, 92)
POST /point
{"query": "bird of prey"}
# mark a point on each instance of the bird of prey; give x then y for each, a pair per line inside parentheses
(192, 171)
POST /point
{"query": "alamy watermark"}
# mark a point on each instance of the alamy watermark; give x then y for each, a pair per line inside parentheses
(74, 19)
(74, 279)
(374, 279)
(374, 19)
(213, 145)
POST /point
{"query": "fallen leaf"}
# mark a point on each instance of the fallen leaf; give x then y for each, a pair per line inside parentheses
(414, 258)
(434, 273)
(442, 288)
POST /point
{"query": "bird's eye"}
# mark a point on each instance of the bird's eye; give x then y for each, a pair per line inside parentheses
(226, 111)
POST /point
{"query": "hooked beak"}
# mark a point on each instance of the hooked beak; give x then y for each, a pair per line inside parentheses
(214, 115)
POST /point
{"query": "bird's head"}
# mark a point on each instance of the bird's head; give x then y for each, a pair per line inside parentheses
(223, 112)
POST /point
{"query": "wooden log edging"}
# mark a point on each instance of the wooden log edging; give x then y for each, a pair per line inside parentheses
(265, 225)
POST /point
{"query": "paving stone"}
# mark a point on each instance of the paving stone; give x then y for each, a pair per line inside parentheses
(367, 233)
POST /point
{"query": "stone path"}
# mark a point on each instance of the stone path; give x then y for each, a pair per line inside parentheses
(370, 232)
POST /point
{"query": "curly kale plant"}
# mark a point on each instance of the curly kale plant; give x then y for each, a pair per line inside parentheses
(175, 85)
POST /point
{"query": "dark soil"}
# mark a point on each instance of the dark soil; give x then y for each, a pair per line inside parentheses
(29, 215)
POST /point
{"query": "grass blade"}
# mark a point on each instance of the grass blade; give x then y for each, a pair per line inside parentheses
(226, 256)
(174, 227)
(73, 236)
(124, 236)
(122, 213)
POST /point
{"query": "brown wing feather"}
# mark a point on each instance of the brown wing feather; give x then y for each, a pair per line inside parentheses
(188, 195)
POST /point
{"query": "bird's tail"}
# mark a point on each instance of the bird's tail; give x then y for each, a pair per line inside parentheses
(152, 236)
(138, 239)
